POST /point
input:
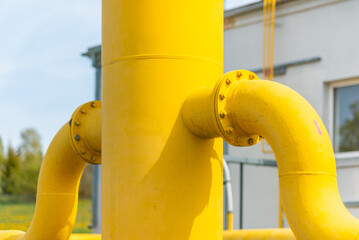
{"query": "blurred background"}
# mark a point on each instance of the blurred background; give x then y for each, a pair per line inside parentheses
(43, 79)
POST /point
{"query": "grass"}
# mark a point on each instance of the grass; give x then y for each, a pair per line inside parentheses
(16, 213)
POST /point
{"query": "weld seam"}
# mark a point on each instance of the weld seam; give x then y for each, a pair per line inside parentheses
(162, 56)
(307, 173)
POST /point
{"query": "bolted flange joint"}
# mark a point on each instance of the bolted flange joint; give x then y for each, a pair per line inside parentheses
(228, 125)
(85, 131)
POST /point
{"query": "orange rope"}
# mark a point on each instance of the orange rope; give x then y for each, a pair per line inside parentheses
(268, 37)
(268, 63)
(265, 3)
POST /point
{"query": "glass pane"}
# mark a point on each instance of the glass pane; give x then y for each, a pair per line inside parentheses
(346, 119)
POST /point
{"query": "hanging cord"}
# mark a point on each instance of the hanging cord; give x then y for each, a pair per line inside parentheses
(268, 56)
(268, 37)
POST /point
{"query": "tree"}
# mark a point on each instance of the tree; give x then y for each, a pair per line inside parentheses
(2, 161)
(10, 172)
(31, 158)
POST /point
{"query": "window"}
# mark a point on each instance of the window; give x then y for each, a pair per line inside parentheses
(346, 118)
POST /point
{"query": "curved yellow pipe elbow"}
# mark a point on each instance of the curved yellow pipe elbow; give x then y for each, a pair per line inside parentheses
(60, 174)
(259, 234)
(245, 109)
(306, 163)
(230, 221)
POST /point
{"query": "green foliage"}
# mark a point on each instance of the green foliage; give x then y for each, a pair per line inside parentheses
(10, 172)
(31, 158)
(20, 169)
(17, 213)
(2, 162)
(85, 188)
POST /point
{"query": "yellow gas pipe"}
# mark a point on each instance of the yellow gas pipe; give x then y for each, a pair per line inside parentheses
(159, 181)
(241, 109)
(57, 193)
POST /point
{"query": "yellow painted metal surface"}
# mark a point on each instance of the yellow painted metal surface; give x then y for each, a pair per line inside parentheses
(259, 234)
(79, 236)
(85, 131)
(230, 221)
(14, 234)
(57, 190)
(306, 164)
(56, 200)
(10, 234)
(159, 181)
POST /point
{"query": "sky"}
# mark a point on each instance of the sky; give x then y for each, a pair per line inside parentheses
(43, 77)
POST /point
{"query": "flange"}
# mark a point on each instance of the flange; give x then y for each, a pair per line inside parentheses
(79, 135)
(231, 132)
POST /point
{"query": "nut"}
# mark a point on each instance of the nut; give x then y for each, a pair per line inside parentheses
(83, 150)
(229, 130)
(251, 141)
(77, 122)
(222, 114)
(228, 81)
(77, 137)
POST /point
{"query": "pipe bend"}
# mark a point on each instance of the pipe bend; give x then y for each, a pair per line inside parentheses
(57, 191)
(242, 109)
(306, 163)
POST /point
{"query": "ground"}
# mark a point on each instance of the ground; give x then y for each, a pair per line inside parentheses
(16, 214)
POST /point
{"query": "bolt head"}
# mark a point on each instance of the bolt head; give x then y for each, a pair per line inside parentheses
(93, 158)
(239, 74)
(77, 122)
(222, 114)
(229, 130)
(83, 110)
(83, 150)
(228, 81)
(77, 137)
(251, 76)
(251, 141)
(93, 104)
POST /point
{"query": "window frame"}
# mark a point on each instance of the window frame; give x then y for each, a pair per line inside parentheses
(354, 155)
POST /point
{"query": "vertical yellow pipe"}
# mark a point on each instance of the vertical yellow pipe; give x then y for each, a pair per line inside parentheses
(280, 213)
(159, 181)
